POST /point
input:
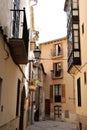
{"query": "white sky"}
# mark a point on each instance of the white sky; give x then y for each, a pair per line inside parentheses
(50, 19)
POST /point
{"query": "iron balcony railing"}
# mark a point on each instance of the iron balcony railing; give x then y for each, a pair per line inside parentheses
(55, 52)
(57, 74)
(18, 43)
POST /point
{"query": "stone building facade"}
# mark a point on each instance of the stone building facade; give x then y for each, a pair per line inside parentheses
(77, 60)
(59, 86)
(14, 43)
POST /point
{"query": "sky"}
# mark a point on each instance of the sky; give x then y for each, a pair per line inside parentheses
(50, 19)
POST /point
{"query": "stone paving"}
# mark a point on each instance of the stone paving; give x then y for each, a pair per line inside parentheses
(51, 125)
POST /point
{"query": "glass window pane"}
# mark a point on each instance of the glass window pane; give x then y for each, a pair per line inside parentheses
(75, 6)
(58, 49)
(75, 26)
(56, 90)
(75, 12)
(75, 32)
(76, 54)
(75, 39)
(76, 45)
(75, 1)
(59, 90)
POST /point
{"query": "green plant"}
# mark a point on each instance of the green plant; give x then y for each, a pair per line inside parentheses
(34, 82)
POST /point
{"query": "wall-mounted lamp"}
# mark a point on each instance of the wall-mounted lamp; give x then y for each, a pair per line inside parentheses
(37, 52)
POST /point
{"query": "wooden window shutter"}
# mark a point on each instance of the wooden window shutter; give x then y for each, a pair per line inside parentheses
(53, 66)
(63, 93)
(51, 93)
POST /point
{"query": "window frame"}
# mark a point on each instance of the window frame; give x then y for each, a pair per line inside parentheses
(63, 93)
(1, 80)
(18, 97)
(85, 77)
(58, 49)
(57, 92)
(57, 67)
(83, 28)
(79, 92)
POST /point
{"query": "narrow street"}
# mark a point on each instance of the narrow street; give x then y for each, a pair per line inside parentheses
(43, 65)
(51, 125)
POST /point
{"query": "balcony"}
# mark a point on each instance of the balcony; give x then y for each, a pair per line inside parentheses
(57, 74)
(57, 51)
(74, 63)
(18, 43)
(58, 98)
(74, 52)
(56, 54)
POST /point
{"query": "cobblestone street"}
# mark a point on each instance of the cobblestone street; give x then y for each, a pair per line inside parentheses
(51, 125)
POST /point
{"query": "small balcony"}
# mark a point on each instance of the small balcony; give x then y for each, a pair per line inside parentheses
(56, 53)
(74, 63)
(18, 43)
(57, 74)
(58, 98)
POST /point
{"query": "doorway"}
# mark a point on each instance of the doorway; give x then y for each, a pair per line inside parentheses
(57, 112)
(22, 109)
(47, 108)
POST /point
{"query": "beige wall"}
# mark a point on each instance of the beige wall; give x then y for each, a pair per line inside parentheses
(83, 37)
(67, 79)
(82, 110)
(9, 71)
(10, 74)
(83, 42)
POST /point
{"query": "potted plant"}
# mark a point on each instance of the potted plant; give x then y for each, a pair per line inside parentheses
(33, 84)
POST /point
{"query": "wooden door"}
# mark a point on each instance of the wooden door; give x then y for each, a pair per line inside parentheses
(47, 106)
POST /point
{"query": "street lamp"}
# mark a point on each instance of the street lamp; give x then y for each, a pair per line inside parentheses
(37, 52)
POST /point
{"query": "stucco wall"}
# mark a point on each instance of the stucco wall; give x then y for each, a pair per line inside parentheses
(83, 42)
(10, 73)
(67, 79)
